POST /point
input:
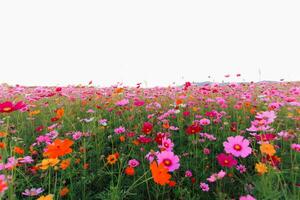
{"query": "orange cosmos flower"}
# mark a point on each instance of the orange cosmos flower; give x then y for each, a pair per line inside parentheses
(65, 164)
(64, 191)
(86, 166)
(60, 112)
(268, 149)
(2, 145)
(172, 183)
(122, 138)
(19, 150)
(129, 171)
(159, 173)
(3, 134)
(58, 148)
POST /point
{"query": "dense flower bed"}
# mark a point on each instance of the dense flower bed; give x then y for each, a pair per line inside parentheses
(230, 141)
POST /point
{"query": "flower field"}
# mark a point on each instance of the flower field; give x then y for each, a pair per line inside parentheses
(217, 141)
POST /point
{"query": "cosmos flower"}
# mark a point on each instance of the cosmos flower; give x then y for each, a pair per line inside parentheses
(204, 122)
(295, 147)
(8, 106)
(237, 146)
(123, 102)
(169, 160)
(166, 144)
(261, 168)
(147, 127)
(3, 184)
(151, 155)
(46, 163)
(193, 129)
(226, 160)
(188, 173)
(204, 187)
(58, 148)
(216, 176)
(160, 173)
(33, 192)
(241, 168)
(129, 171)
(26, 159)
(119, 130)
(133, 163)
(268, 149)
(103, 122)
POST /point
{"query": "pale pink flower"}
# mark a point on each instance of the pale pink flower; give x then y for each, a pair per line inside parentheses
(237, 146)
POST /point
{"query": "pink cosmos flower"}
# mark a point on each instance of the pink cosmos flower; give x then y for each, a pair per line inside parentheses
(133, 163)
(247, 197)
(103, 122)
(26, 159)
(166, 144)
(295, 147)
(204, 187)
(32, 192)
(77, 135)
(221, 174)
(204, 122)
(188, 173)
(237, 146)
(119, 130)
(90, 111)
(216, 176)
(151, 155)
(169, 160)
(286, 135)
(123, 102)
(226, 160)
(43, 139)
(206, 151)
(269, 116)
(241, 168)
(138, 102)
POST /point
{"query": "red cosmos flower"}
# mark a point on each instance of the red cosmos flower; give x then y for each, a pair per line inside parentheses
(39, 128)
(233, 127)
(138, 102)
(147, 127)
(143, 139)
(187, 85)
(8, 106)
(272, 160)
(226, 160)
(159, 137)
(186, 113)
(193, 129)
(58, 89)
(265, 137)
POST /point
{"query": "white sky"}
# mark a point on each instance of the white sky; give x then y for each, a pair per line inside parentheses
(160, 42)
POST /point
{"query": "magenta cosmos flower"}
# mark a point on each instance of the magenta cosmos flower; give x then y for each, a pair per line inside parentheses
(237, 146)
(133, 163)
(226, 160)
(9, 106)
(169, 160)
